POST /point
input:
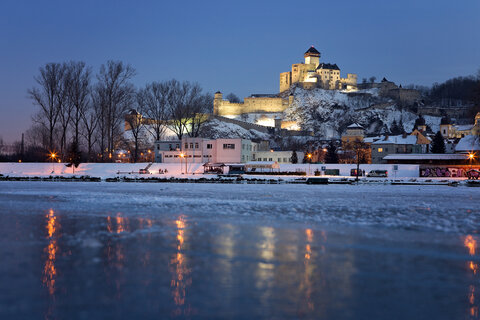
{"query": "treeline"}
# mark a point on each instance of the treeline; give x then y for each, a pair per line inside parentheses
(456, 91)
(82, 115)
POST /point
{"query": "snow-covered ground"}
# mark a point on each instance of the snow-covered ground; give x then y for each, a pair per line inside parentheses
(195, 170)
(145, 251)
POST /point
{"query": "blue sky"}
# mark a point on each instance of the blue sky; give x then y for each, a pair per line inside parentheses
(233, 46)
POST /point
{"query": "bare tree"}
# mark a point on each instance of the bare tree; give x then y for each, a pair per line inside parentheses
(135, 123)
(78, 91)
(179, 98)
(187, 108)
(89, 126)
(116, 93)
(153, 104)
(50, 97)
(198, 113)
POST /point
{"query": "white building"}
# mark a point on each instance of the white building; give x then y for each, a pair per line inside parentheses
(282, 157)
(201, 150)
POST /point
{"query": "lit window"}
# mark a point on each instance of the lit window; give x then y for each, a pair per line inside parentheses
(380, 149)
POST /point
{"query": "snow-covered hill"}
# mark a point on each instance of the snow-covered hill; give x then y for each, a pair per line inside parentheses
(329, 112)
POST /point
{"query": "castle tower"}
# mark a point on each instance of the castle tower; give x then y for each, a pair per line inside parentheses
(312, 56)
(217, 100)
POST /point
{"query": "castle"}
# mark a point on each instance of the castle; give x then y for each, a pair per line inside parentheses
(309, 75)
(313, 74)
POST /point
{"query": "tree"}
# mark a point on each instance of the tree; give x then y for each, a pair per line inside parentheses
(233, 98)
(187, 108)
(50, 97)
(361, 153)
(74, 155)
(116, 95)
(294, 157)
(153, 104)
(372, 79)
(78, 93)
(134, 121)
(331, 156)
(438, 143)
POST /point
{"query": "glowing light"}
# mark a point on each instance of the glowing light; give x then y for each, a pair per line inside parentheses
(471, 156)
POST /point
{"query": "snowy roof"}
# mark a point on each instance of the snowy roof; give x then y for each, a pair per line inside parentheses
(425, 156)
(464, 127)
(372, 139)
(354, 126)
(397, 140)
(468, 143)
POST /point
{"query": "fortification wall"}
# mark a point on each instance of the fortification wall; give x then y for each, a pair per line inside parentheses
(250, 105)
(243, 124)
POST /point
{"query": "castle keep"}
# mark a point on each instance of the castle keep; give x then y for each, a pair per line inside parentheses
(314, 74)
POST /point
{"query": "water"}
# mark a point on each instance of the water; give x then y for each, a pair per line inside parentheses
(156, 251)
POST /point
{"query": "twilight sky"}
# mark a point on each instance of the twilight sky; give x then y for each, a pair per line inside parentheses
(233, 46)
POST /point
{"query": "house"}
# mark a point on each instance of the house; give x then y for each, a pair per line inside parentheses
(414, 143)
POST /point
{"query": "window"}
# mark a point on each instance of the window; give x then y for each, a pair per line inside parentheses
(380, 149)
(191, 145)
(270, 159)
(209, 146)
(228, 146)
(264, 159)
(186, 145)
(285, 160)
(196, 145)
(158, 147)
(279, 159)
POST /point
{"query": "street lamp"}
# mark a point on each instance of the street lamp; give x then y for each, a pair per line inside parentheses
(471, 156)
(52, 156)
(309, 162)
(181, 164)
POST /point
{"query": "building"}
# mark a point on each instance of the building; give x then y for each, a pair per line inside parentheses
(281, 157)
(256, 103)
(201, 150)
(405, 144)
(450, 130)
(315, 74)
(354, 132)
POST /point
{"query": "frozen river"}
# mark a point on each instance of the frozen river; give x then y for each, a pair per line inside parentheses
(156, 251)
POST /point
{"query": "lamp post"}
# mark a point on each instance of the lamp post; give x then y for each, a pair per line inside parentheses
(471, 156)
(181, 164)
(53, 156)
(309, 156)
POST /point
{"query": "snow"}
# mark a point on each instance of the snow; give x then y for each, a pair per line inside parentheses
(400, 139)
(329, 112)
(223, 130)
(468, 143)
(426, 156)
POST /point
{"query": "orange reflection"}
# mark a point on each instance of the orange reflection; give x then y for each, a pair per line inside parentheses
(49, 270)
(117, 224)
(181, 280)
(307, 279)
(471, 244)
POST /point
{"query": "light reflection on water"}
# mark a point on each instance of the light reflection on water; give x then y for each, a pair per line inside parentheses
(471, 244)
(306, 247)
(180, 270)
